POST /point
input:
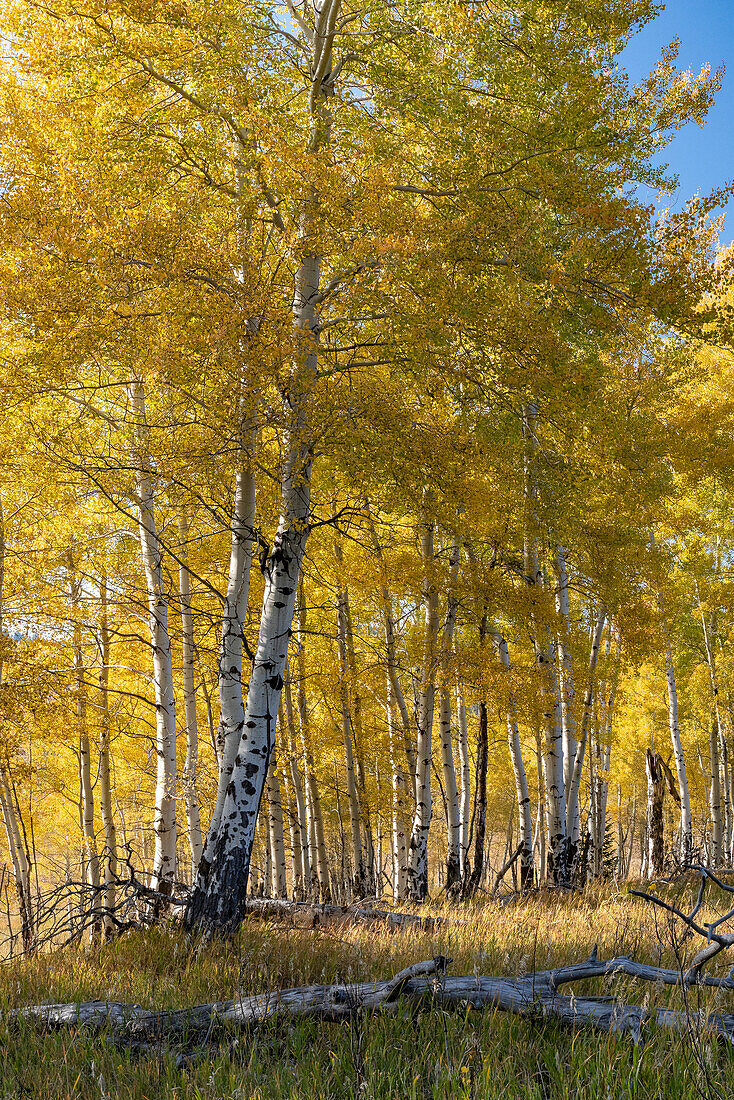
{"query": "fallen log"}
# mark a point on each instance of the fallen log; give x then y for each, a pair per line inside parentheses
(312, 913)
(534, 995)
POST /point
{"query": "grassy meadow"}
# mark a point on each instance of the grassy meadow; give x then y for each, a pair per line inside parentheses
(417, 1053)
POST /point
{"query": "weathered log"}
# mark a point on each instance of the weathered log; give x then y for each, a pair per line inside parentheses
(313, 914)
(534, 995)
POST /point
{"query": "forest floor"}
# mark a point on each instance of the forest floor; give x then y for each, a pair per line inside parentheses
(422, 1053)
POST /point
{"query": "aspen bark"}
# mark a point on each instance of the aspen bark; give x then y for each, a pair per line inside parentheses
(234, 616)
(586, 716)
(391, 652)
(719, 829)
(400, 805)
(319, 861)
(418, 847)
(451, 792)
(557, 854)
(164, 860)
(352, 798)
(219, 900)
(715, 795)
(568, 692)
(370, 868)
(277, 883)
(188, 777)
(465, 774)
(518, 769)
(304, 862)
(686, 824)
(86, 809)
(655, 793)
(105, 778)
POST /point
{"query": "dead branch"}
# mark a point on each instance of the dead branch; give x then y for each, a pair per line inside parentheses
(533, 995)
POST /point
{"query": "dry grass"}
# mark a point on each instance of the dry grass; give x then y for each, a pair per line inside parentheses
(424, 1054)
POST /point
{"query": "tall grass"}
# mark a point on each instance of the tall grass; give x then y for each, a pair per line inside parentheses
(419, 1052)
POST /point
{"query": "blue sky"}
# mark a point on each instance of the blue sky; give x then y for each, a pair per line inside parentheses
(702, 158)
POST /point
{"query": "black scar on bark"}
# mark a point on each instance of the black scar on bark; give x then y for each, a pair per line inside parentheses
(251, 769)
(247, 787)
(251, 725)
(276, 682)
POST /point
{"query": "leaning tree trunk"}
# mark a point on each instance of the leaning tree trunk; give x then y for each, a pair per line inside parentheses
(164, 860)
(718, 758)
(220, 898)
(418, 847)
(400, 805)
(231, 699)
(191, 797)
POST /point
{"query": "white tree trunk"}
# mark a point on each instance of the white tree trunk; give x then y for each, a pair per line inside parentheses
(164, 860)
(518, 769)
(354, 814)
(586, 715)
(278, 882)
(391, 652)
(465, 773)
(317, 839)
(686, 824)
(105, 778)
(568, 691)
(231, 698)
(86, 789)
(191, 797)
(304, 863)
(451, 792)
(400, 804)
(418, 847)
(220, 898)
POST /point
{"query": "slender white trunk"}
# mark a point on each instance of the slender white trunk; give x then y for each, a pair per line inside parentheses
(518, 769)
(86, 789)
(231, 698)
(391, 652)
(164, 860)
(465, 773)
(219, 901)
(451, 792)
(557, 855)
(718, 833)
(354, 815)
(191, 797)
(295, 774)
(105, 778)
(418, 848)
(318, 842)
(715, 795)
(275, 831)
(686, 824)
(400, 805)
(586, 715)
(568, 692)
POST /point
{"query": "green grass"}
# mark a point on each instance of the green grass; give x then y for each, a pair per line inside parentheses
(421, 1053)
